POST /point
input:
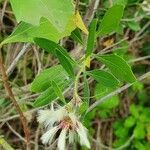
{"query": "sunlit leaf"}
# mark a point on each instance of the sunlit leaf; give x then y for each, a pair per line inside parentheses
(118, 66)
(91, 38)
(25, 32)
(44, 79)
(139, 131)
(76, 36)
(111, 20)
(65, 63)
(58, 91)
(103, 77)
(86, 90)
(52, 47)
(79, 23)
(57, 12)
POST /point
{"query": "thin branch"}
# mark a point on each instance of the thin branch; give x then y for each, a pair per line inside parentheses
(119, 148)
(16, 133)
(105, 98)
(143, 29)
(11, 96)
(140, 32)
(138, 18)
(14, 63)
(91, 11)
(37, 138)
(139, 59)
(106, 50)
(126, 144)
(38, 59)
(3, 13)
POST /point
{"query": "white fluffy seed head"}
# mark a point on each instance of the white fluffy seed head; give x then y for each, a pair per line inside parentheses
(66, 121)
(49, 117)
(71, 136)
(62, 139)
(82, 132)
(43, 115)
(48, 136)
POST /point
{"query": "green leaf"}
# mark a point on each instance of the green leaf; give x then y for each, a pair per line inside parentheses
(58, 91)
(144, 116)
(122, 49)
(117, 124)
(52, 47)
(76, 36)
(119, 142)
(103, 77)
(111, 20)
(110, 103)
(91, 38)
(65, 63)
(86, 90)
(134, 110)
(140, 146)
(44, 79)
(129, 122)
(138, 86)
(25, 32)
(83, 107)
(57, 12)
(104, 113)
(120, 2)
(118, 67)
(101, 91)
(64, 58)
(46, 45)
(139, 131)
(45, 98)
(49, 94)
(121, 132)
(134, 25)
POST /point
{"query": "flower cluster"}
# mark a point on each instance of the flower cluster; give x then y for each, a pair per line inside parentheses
(65, 121)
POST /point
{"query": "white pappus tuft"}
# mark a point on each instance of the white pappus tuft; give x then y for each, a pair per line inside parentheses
(67, 122)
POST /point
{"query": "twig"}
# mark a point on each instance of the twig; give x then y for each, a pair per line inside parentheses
(138, 18)
(119, 148)
(16, 133)
(98, 139)
(11, 96)
(37, 138)
(105, 98)
(3, 13)
(14, 63)
(38, 60)
(140, 32)
(139, 59)
(126, 144)
(143, 29)
(91, 11)
(103, 51)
